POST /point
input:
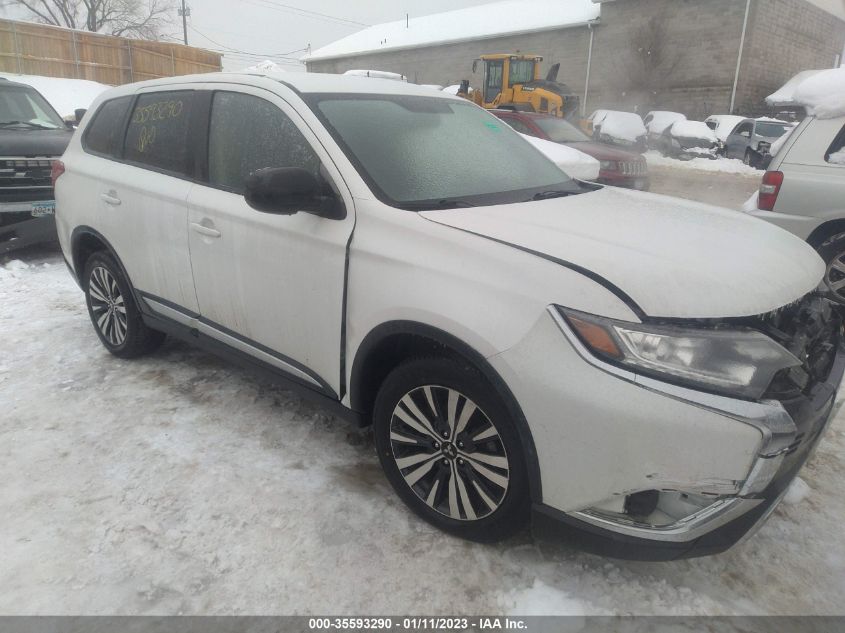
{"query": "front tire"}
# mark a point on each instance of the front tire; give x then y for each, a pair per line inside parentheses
(113, 311)
(450, 450)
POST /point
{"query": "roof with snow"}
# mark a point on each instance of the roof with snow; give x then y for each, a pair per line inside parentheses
(508, 17)
(785, 96)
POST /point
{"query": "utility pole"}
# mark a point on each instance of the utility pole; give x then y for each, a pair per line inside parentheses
(185, 12)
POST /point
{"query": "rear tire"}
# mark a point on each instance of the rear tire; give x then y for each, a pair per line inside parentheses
(832, 251)
(450, 450)
(113, 311)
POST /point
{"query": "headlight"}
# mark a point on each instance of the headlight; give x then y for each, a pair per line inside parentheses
(737, 362)
(608, 165)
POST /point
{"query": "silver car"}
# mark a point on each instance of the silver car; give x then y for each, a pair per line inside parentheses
(751, 140)
(804, 192)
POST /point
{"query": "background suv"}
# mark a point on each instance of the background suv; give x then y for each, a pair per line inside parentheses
(751, 140)
(518, 344)
(32, 135)
(803, 191)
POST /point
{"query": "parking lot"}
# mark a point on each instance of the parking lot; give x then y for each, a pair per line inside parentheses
(180, 484)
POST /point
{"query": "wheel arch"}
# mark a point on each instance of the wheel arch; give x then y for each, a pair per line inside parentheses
(84, 242)
(391, 343)
(826, 230)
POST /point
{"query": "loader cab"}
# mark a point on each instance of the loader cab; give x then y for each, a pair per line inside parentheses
(502, 72)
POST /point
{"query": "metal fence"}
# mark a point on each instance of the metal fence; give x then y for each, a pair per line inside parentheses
(37, 49)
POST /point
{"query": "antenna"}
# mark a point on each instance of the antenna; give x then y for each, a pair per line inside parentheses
(407, 21)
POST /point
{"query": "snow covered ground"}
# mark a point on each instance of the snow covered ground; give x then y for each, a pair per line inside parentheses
(181, 484)
(720, 165)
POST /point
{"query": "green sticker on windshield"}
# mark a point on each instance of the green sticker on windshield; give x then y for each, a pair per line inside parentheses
(493, 126)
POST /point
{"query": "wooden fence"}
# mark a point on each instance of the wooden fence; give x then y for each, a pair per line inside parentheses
(37, 49)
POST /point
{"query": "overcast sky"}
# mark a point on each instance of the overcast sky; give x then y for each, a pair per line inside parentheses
(269, 28)
(249, 31)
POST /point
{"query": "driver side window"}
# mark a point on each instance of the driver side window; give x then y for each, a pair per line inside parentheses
(248, 133)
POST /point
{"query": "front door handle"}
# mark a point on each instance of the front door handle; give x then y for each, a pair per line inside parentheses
(205, 230)
(111, 199)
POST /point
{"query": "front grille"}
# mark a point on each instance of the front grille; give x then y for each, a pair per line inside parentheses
(811, 329)
(8, 219)
(633, 168)
(23, 178)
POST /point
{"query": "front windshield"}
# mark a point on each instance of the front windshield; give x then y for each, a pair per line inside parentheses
(561, 131)
(416, 150)
(27, 108)
(772, 130)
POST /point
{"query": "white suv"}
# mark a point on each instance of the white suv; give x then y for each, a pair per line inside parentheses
(645, 374)
(803, 191)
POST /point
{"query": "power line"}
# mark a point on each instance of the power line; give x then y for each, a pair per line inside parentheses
(235, 50)
(278, 6)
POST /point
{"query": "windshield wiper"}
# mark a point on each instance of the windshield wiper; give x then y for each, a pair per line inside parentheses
(545, 195)
(37, 126)
(446, 203)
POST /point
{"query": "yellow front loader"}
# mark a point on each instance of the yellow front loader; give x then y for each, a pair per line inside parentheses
(513, 82)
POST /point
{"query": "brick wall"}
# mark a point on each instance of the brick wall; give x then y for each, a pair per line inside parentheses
(701, 45)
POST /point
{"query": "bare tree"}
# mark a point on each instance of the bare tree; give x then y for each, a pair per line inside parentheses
(143, 19)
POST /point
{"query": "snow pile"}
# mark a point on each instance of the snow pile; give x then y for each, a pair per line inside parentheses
(376, 74)
(498, 18)
(753, 203)
(264, 67)
(721, 165)
(65, 95)
(725, 124)
(454, 89)
(796, 493)
(432, 86)
(837, 158)
(693, 129)
(541, 599)
(13, 269)
(786, 95)
(823, 94)
(662, 119)
(625, 126)
(576, 164)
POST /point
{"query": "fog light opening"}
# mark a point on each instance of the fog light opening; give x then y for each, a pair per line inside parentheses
(656, 509)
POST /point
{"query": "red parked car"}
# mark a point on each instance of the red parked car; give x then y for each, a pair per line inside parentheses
(618, 167)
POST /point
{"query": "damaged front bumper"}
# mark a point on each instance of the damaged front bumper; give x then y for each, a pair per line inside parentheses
(706, 517)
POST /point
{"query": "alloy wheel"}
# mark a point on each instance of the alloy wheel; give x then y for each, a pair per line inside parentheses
(834, 277)
(108, 305)
(449, 453)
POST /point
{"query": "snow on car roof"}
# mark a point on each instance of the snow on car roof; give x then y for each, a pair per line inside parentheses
(786, 95)
(823, 94)
(65, 95)
(471, 23)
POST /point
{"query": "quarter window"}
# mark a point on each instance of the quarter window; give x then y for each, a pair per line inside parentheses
(105, 133)
(248, 133)
(158, 131)
(836, 153)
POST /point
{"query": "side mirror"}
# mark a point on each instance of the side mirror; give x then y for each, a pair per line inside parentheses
(78, 114)
(289, 190)
(745, 134)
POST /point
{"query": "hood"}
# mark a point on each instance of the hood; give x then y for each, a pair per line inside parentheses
(605, 152)
(673, 258)
(31, 142)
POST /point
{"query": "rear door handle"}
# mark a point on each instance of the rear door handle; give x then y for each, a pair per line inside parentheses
(205, 230)
(111, 199)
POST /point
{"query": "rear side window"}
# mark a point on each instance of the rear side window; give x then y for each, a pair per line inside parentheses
(836, 152)
(105, 133)
(247, 134)
(519, 126)
(159, 130)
